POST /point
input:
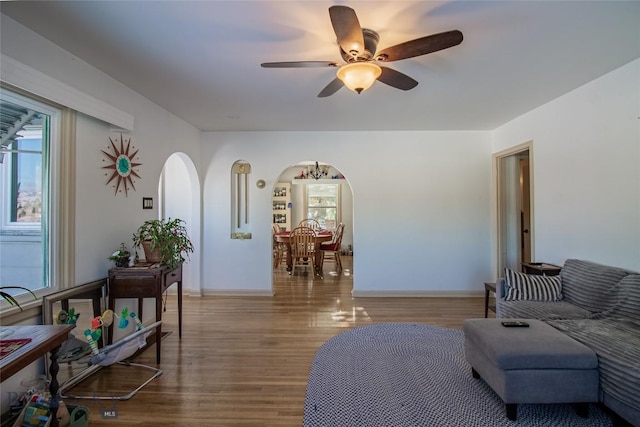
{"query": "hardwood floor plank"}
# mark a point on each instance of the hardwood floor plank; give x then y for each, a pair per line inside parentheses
(244, 361)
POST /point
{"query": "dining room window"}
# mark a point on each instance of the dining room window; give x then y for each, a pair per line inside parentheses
(323, 204)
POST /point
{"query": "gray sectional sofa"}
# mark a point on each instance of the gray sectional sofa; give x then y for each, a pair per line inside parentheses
(599, 306)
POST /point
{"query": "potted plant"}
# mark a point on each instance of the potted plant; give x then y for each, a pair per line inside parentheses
(10, 299)
(164, 241)
(121, 256)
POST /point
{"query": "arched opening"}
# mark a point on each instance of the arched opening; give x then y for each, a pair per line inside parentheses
(305, 190)
(179, 197)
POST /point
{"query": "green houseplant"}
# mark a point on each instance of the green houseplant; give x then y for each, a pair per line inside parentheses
(121, 256)
(164, 241)
(10, 299)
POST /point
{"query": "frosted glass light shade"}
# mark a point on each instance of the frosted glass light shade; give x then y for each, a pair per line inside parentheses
(359, 76)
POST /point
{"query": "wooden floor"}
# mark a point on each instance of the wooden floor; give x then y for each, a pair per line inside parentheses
(244, 361)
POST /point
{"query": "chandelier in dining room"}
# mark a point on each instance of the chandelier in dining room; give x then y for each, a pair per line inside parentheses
(319, 172)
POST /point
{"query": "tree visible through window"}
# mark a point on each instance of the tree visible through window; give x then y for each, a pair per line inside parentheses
(323, 204)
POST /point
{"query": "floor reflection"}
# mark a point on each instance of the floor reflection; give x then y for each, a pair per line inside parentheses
(326, 299)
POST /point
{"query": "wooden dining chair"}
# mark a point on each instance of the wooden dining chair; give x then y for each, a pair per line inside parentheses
(331, 250)
(302, 243)
(279, 249)
(311, 223)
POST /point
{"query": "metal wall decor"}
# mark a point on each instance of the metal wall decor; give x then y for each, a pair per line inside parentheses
(240, 172)
(123, 162)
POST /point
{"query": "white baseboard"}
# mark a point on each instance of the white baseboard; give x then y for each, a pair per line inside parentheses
(221, 293)
(237, 293)
(417, 294)
(355, 293)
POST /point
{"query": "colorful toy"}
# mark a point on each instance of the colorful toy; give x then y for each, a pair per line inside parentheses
(69, 318)
(124, 322)
(106, 319)
(89, 335)
(94, 334)
(123, 318)
(136, 319)
(96, 323)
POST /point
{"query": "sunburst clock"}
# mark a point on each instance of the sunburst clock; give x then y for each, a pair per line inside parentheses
(123, 163)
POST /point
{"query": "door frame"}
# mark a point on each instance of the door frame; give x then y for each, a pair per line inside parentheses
(498, 183)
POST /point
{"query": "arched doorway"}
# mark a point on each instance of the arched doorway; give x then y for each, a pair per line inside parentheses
(294, 193)
(179, 197)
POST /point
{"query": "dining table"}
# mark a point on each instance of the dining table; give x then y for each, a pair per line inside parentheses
(322, 235)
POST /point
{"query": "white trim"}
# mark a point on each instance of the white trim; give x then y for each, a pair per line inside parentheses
(237, 293)
(24, 77)
(417, 294)
(64, 243)
(496, 216)
(59, 206)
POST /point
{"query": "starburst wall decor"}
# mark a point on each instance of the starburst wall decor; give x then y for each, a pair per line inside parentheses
(123, 164)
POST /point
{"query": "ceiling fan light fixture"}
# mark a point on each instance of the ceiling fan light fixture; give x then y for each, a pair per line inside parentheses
(359, 76)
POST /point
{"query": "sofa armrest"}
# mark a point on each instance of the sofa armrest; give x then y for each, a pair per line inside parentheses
(500, 289)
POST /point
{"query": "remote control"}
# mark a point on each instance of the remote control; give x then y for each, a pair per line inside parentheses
(515, 324)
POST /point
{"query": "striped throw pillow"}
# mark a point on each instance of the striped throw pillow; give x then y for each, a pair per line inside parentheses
(530, 287)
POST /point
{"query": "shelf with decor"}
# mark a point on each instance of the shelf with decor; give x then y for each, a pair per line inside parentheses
(298, 181)
(282, 205)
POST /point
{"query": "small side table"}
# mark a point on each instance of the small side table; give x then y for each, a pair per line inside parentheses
(488, 287)
(541, 268)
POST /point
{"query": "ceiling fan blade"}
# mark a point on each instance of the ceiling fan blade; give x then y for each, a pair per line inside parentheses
(299, 64)
(331, 88)
(421, 46)
(396, 79)
(347, 28)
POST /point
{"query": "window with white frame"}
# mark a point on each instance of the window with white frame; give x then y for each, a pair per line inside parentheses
(323, 204)
(28, 130)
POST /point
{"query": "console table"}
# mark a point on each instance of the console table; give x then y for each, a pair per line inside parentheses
(145, 281)
(44, 338)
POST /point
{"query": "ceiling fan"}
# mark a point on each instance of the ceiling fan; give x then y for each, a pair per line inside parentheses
(358, 49)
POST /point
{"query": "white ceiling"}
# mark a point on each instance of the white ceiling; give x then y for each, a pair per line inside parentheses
(201, 59)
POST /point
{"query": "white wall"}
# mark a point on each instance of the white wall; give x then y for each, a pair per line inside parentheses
(421, 207)
(586, 167)
(103, 220)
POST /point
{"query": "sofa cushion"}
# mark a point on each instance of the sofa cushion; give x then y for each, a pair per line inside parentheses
(543, 310)
(617, 345)
(590, 285)
(530, 287)
(626, 303)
